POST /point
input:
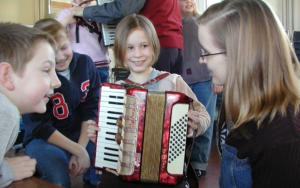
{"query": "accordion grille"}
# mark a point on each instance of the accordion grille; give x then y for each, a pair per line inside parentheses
(152, 137)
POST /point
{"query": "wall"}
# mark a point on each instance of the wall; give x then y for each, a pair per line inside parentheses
(297, 15)
(19, 11)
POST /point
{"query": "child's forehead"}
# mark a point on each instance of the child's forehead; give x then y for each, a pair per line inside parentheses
(61, 34)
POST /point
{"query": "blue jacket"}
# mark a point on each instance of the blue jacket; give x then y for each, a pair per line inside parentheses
(75, 101)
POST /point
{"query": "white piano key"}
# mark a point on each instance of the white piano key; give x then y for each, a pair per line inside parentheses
(102, 163)
(104, 140)
(109, 149)
(107, 89)
(104, 132)
(111, 109)
(107, 123)
(107, 98)
(111, 105)
(113, 114)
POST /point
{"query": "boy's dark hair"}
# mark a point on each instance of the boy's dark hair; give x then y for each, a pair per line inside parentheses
(17, 44)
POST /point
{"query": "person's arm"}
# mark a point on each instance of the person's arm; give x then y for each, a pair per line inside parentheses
(65, 17)
(109, 12)
(92, 132)
(83, 138)
(80, 160)
(6, 174)
(38, 125)
(16, 168)
(89, 108)
(199, 118)
(217, 88)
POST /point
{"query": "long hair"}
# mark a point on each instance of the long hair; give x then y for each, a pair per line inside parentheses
(263, 71)
(125, 27)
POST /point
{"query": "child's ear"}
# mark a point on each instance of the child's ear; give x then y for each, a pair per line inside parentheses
(6, 72)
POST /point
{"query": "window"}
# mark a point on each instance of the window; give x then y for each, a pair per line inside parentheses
(202, 5)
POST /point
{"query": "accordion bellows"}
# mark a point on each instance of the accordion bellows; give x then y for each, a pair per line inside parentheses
(153, 133)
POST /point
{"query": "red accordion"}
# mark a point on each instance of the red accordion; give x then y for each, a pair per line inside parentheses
(152, 147)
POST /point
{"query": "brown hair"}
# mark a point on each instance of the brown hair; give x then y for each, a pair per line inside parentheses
(125, 27)
(263, 71)
(17, 44)
(50, 26)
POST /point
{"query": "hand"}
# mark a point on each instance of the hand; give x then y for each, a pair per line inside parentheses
(194, 123)
(92, 130)
(77, 11)
(217, 88)
(22, 167)
(79, 164)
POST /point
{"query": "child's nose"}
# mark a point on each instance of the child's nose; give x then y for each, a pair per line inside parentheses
(55, 82)
(59, 55)
(137, 52)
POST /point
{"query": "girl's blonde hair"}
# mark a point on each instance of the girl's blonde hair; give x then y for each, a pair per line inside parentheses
(125, 27)
(263, 71)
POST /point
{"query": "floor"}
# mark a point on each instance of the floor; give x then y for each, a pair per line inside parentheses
(210, 180)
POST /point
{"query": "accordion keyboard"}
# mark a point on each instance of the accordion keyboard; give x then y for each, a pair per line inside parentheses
(108, 30)
(111, 108)
(108, 33)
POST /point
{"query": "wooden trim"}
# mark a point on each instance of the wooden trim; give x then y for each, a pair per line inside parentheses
(60, 5)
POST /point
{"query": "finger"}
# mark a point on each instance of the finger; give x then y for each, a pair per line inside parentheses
(189, 133)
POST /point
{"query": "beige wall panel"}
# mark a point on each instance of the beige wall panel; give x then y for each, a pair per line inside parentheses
(297, 15)
(19, 11)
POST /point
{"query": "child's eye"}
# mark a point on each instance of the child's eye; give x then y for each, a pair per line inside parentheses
(63, 48)
(46, 70)
(145, 45)
(130, 47)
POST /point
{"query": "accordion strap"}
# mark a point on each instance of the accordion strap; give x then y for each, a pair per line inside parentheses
(156, 79)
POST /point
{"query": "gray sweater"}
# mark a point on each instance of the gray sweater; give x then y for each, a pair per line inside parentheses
(192, 72)
(9, 128)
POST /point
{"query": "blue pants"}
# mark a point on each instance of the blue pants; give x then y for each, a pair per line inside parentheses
(235, 172)
(53, 162)
(103, 74)
(201, 150)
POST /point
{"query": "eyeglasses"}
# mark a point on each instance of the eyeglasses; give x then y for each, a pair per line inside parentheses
(204, 53)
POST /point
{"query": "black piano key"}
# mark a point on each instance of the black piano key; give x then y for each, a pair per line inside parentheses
(111, 133)
(110, 154)
(111, 149)
(112, 160)
(108, 117)
(115, 97)
(112, 112)
(117, 103)
(111, 139)
(110, 123)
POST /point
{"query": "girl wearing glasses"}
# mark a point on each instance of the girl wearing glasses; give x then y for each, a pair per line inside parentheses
(260, 73)
(198, 77)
